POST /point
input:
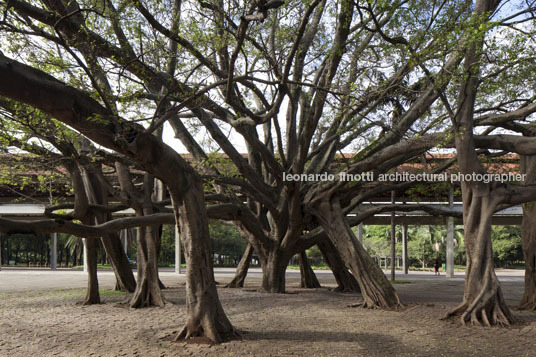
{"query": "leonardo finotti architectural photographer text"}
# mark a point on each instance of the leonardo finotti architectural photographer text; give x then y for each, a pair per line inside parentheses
(406, 176)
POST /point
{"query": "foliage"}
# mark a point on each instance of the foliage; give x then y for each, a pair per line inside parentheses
(376, 240)
(167, 246)
(506, 242)
(314, 253)
(226, 240)
(424, 240)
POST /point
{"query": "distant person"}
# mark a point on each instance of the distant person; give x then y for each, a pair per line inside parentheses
(436, 267)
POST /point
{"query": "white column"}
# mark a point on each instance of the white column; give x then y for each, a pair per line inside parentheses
(405, 266)
(450, 238)
(85, 255)
(178, 268)
(53, 250)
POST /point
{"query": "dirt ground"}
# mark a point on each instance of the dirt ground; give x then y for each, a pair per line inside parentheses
(302, 322)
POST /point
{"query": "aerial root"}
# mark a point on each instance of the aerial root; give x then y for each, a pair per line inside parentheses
(482, 313)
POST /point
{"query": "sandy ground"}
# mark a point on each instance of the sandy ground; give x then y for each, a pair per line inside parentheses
(50, 322)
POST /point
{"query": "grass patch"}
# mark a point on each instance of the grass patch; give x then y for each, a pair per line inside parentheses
(315, 267)
(99, 266)
(81, 292)
(111, 292)
(67, 293)
(401, 282)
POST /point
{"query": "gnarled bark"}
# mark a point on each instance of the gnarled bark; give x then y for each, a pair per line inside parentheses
(483, 302)
(206, 316)
(242, 269)
(274, 267)
(345, 280)
(273, 256)
(308, 277)
(528, 236)
(376, 290)
(148, 292)
(58, 100)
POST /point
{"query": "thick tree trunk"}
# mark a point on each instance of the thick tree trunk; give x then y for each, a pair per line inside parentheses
(148, 292)
(206, 316)
(376, 290)
(483, 302)
(242, 269)
(92, 295)
(274, 267)
(274, 259)
(528, 235)
(345, 280)
(308, 277)
(205, 313)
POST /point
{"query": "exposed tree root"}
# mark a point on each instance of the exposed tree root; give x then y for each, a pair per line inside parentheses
(217, 332)
(372, 306)
(483, 303)
(528, 306)
(147, 295)
(528, 301)
(487, 309)
(364, 305)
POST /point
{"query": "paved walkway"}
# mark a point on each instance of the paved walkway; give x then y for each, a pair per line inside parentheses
(24, 279)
